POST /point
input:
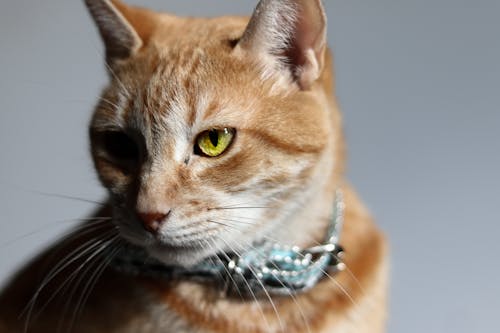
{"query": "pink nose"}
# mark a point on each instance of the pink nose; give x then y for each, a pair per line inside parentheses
(153, 221)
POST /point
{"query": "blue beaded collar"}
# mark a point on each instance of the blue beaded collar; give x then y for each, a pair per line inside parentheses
(268, 268)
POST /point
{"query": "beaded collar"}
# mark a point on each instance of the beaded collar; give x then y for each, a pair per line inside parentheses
(268, 268)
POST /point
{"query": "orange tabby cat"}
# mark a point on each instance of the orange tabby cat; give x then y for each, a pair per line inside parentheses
(212, 135)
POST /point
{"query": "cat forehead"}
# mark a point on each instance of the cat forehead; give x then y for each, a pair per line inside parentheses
(193, 72)
(167, 80)
(192, 53)
(202, 32)
(179, 41)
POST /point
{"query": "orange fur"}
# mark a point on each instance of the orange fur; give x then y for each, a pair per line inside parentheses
(289, 145)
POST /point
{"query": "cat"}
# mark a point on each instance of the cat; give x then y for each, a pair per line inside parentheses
(213, 135)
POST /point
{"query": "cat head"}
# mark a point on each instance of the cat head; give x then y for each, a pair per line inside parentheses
(212, 133)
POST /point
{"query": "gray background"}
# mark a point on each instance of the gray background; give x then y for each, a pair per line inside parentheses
(418, 82)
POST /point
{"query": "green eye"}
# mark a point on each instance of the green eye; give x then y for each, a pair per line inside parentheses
(214, 142)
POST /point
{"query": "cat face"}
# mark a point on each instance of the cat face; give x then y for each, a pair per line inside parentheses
(205, 141)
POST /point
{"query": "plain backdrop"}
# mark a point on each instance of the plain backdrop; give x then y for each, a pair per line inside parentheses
(418, 82)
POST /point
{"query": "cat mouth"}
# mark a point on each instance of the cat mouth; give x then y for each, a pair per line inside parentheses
(174, 248)
(182, 255)
(184, 251)
(165, 244)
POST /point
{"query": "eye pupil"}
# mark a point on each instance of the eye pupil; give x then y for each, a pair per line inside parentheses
(214, 137)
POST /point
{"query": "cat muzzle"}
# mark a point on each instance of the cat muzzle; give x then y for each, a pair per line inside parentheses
(268, 268)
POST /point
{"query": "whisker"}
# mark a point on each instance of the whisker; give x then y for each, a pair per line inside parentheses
(219, 223)
(67, 197)
(263, 288)
(247, 218)
(97, 218)
(294, 298)
(47, 194)
(80, 231)
(63, 264)
(238, 222)
(40, 229)
(87, 290)
(123, 87)
(107, 101)
(348, 271)
(234, 208)
(208, 248)
(68, 259)
(328, 275)
(85, 229)
(214, 248)
(237, 205)
(73, 291)
(227, 225)
(120, 82)
(73, 275)
(261, 310)
(332, 279)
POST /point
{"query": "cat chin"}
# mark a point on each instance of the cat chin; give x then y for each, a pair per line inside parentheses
(186, 255)
(178, 255)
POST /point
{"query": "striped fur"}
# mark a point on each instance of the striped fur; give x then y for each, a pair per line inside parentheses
(172, 78)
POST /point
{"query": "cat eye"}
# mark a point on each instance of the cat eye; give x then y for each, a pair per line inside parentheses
(214, 142)
(120, 147)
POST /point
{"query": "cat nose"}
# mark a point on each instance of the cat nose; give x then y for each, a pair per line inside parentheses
(152, 222)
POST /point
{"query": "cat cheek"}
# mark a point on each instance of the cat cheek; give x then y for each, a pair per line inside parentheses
(113, 178)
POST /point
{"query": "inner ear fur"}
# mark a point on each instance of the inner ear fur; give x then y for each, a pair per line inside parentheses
(291, 35)
(124, 29)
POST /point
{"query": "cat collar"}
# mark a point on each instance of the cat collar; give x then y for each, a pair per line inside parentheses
(269, 268)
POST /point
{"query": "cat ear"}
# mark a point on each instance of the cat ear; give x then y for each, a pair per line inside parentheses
(115, 22)
(291, 35)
